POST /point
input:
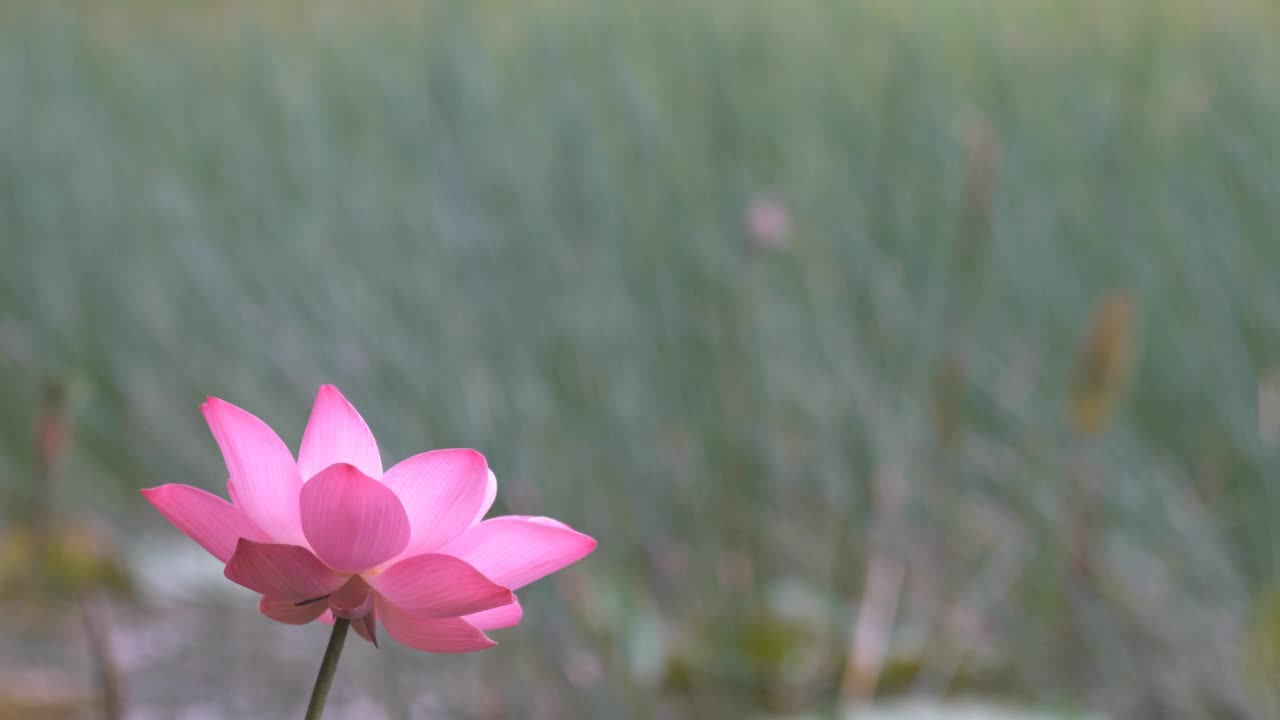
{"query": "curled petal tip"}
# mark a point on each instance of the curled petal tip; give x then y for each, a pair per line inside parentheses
(471, 453)
(497, 618)
(210, 406)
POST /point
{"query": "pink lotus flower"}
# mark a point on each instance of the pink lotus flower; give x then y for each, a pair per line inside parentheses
(332, 534)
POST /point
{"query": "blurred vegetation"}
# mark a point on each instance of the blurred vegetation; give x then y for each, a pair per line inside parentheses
(1005, 318)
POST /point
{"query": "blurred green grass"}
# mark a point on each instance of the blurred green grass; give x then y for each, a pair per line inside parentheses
(521, 228)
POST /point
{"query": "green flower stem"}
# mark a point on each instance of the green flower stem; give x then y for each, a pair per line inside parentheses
(328, 666)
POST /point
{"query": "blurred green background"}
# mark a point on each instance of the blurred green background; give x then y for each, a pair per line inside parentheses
(889, 348)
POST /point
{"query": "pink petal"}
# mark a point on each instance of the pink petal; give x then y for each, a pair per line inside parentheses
(337, 434)
(353, 600)
(437, 635)
(283, 572)
(442, 491)
(289, 611)
(206, 518)
(438, 586)
(367, 628)
(490, 494)
(262, 470)
(497, 618)
(352, 521)
(515, 550)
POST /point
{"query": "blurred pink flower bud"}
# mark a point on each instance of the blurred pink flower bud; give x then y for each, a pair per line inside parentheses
(768, 223)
